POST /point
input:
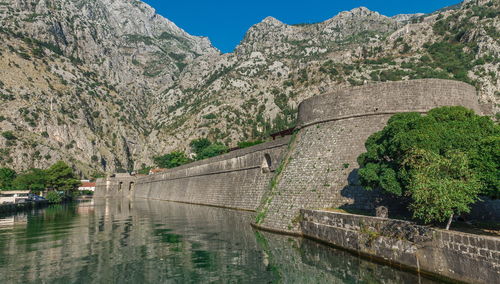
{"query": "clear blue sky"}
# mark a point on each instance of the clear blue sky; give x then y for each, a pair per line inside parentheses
(225, 22)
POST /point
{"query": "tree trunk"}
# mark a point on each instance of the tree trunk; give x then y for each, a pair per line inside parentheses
(449, 222)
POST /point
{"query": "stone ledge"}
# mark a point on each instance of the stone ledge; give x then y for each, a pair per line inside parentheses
(454, 255)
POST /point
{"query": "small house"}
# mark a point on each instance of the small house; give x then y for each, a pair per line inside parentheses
(87, 186)
(14, 196)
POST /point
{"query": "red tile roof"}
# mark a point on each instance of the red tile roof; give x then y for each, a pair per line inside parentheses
(88, 184)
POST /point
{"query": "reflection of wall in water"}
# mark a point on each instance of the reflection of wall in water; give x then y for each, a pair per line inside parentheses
(297, 260)
(148, 237)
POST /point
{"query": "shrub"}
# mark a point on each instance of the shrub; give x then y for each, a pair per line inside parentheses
(144, 170)
(210, 116)
(245, 144)
(9, 135)
(34, 180)
(198, 145)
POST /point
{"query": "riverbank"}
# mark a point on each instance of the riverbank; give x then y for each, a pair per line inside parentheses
(12, 208)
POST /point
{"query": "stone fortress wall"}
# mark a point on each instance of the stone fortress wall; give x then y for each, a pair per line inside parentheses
(287, 180)
(320, 168)
(234, 180)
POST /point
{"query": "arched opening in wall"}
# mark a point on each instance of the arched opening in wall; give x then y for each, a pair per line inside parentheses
(266, 163)
(131, 186)
(120, 185)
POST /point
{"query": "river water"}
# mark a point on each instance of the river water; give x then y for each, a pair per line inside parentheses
(144, 241)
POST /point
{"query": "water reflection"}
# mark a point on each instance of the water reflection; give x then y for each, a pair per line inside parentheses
(118, 241)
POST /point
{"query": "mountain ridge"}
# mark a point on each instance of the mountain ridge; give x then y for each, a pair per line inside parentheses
(109, 101)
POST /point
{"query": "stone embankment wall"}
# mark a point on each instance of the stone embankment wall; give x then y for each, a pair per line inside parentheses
(319, 170)
(456, 255)
(234, 180)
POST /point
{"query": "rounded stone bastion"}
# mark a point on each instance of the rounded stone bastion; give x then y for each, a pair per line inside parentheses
(387, 98)
(320, 168)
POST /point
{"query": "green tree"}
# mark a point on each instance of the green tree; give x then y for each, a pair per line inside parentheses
(7, 176)
(33, 180)
(61, 177)
(442, 131)
(440, 186)
(213, 150)
(171, 160)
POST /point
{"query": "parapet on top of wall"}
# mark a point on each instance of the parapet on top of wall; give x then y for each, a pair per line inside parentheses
(387, 98)
(226, 162)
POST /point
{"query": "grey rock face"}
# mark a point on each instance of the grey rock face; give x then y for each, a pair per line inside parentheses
(108, 84)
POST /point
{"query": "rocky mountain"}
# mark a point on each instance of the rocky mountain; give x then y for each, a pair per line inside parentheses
(77, 79)
(107, 84)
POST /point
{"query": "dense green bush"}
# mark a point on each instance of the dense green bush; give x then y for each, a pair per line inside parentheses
(440, 185)
(198, 145)
(144, 170)
(443, 135)
(54, 197)
(204, 148)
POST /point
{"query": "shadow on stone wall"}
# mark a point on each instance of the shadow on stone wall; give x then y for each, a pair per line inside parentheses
(366, 200)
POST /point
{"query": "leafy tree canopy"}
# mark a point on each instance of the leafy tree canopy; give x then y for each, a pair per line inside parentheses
(61, 177)
(213, 150)
(440, 185)
(7, 176)
(34, 180)
(171, 160)
(442, 131)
